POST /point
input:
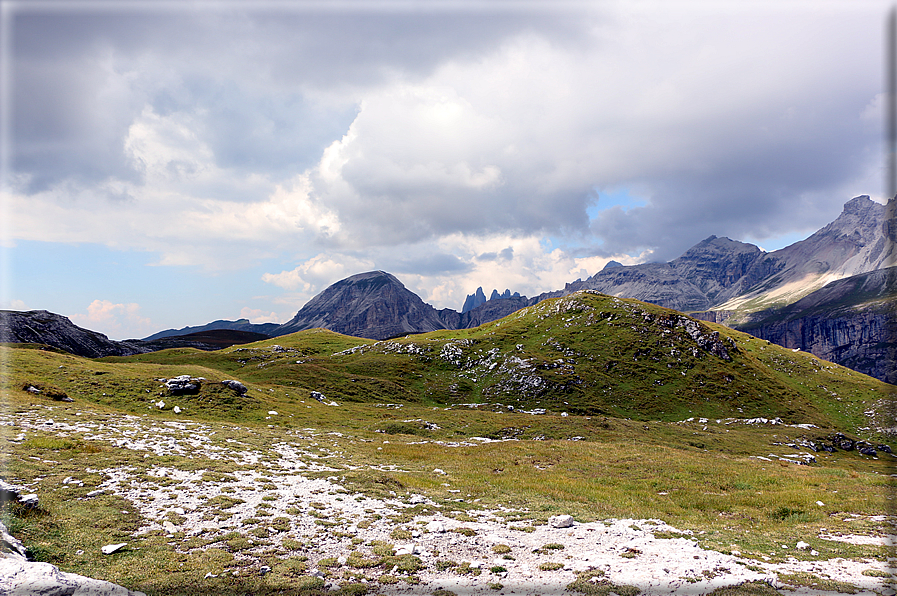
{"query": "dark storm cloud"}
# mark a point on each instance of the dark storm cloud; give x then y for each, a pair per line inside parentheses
(82, 76)
(378, 126)
(430, 264)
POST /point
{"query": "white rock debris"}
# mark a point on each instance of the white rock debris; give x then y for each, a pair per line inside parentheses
(274, 483)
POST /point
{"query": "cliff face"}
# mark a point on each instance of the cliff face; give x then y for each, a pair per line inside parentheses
(850, 322)
(57, 331)
(43, 327)
(854, 341)
(856, 242)
(725, 274)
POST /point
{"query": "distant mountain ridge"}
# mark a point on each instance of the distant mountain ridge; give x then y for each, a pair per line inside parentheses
(718, 279)
(56, 331)
(851, 321)
(724, 274)
(238, 325)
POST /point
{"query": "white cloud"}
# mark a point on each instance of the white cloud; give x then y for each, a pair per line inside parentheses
(257, 316)
(317, 273)
(253, 138)
(523, 264)
(114, 320)
(13, 305)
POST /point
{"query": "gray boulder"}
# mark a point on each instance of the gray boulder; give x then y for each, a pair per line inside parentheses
(19, 577)
(182, 384)
(237, 386)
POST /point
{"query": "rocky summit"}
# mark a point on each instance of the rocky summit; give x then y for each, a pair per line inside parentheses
(373, 305)
(724, 274)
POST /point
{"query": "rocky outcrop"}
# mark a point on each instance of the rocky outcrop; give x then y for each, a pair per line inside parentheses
(57, 331)
(850, 322)
(478, 298)
(474, 300)
(374, 305)
(21, 577)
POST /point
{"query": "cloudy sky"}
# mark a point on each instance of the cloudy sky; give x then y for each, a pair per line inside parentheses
(167, 164)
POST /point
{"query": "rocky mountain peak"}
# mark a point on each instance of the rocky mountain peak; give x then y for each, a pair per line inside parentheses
(374, 305)
(474, 300)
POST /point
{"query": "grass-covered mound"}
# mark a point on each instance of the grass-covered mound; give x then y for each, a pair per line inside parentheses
(586, 354)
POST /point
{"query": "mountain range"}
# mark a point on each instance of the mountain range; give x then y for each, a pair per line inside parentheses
(832, 293)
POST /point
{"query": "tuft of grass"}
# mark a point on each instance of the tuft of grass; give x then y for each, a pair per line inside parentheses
(586, 582)
(755, 588)
(809, 580)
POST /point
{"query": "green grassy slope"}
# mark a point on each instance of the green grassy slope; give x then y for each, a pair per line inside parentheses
(405, 408)
(586, 354)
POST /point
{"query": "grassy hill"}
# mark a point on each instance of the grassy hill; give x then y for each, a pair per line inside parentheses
(646, 416)
(584, 354)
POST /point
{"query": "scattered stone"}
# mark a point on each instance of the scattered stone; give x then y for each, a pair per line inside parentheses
(272, 413)
(436, 526)
(183, 384)
(160, 404)
(29, 501)
(111, 548)
(801, 545)
(94, 493)
(438, 471)
(177, 410)
(237, 386)
(9, 492)
(560, 521)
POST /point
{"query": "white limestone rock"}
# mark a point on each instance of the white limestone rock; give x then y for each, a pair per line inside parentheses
(561, 521)
(111, 548)
(19, 577)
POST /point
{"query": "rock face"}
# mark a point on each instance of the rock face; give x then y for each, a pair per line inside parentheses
(700, 278)
(57, 331)
(725, 274)
(19, 577)
(478, 299)
(374, 305)
(860, 240)
(850, 321)
(474, 300)
(43, 327)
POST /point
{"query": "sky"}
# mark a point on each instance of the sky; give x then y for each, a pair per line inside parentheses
(166, 164)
